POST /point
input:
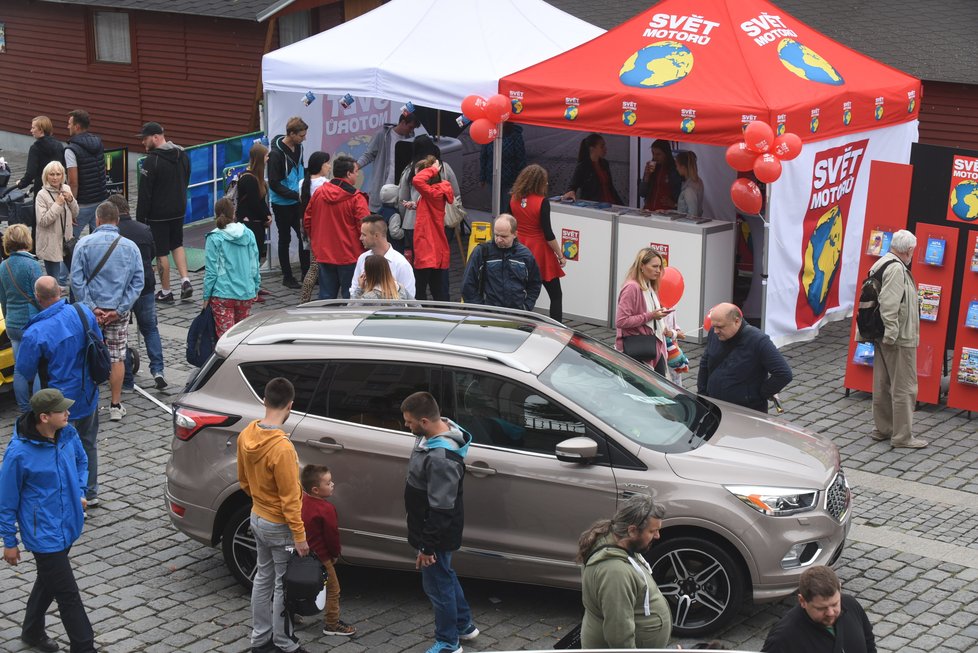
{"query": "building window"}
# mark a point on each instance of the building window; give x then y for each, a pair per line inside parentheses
(293, 28)
(112, 37)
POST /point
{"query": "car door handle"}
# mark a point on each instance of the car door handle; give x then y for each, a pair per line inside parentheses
(480, 469)
(322, 444)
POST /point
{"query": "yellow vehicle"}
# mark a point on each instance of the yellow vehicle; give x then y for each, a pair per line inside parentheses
(6, 357)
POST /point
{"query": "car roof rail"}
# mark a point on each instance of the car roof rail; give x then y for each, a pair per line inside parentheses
(396, 343)
(415, 303)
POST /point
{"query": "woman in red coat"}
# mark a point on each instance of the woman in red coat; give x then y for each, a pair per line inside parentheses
(531, 208)
(431, 254)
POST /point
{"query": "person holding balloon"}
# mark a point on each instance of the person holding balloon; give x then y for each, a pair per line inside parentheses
(661, 183)
(640, 326)
(592, 176)
(691, 196)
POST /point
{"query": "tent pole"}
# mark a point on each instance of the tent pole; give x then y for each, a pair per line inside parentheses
(497, 171)
(766, 219)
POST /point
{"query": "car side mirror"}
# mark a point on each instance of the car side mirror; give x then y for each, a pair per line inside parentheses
(578, 450)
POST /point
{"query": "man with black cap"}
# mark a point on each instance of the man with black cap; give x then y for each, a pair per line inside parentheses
(42, 490)
(162, 203)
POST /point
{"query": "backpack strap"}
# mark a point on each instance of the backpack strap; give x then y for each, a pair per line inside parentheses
(105, 257)
(86, 327)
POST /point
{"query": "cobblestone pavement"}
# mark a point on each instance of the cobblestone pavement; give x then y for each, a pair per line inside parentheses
(910, 559)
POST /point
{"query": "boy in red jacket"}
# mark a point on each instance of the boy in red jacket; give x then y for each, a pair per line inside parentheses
(323, 536)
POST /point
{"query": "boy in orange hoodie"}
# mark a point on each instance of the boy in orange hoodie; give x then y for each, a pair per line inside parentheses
(322, 529)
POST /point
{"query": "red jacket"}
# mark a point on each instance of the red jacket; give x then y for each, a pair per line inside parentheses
(322, 528)
(332, 221)
(430, 244)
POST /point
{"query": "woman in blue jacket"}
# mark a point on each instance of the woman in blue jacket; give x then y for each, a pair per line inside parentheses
(42, 494)
(231, 273)
(17, 276)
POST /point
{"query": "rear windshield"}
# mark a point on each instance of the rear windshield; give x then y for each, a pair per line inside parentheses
(630, 397)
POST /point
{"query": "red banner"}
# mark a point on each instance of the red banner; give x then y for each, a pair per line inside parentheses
(962, 204)
(833, 181)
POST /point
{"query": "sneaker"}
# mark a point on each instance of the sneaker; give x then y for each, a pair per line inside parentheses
(128, 389)
(263, 292)
(470, 633)
(160, 381)
(186, 290)
(164, 298)
(290, 282)
(92, 502)
(117, 412)
(342, 629)
(443, 647)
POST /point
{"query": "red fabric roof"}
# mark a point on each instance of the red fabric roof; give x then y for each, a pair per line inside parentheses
(675, 73)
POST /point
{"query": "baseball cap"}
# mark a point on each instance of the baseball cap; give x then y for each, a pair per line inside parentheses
(151, 129)
(49, 400)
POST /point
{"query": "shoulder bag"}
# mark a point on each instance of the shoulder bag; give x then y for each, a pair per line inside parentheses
(454, 213)
(30, 300)
(67, 246)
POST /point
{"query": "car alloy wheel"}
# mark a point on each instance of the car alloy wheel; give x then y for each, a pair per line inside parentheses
(238, 546)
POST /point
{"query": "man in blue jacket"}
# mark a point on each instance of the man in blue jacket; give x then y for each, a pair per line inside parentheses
(107, 276)
(54, 342)
(740, 363)
(502, 272)
(42, 493)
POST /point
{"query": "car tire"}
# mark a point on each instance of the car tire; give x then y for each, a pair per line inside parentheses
(238, 546)
(700, 580)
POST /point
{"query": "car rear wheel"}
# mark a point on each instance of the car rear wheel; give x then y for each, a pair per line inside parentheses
(700, 580)
(238, 546)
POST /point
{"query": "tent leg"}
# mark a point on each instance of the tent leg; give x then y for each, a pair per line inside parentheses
(766, 218)
(497, 171)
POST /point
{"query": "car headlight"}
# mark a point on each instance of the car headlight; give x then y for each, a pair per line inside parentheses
(775, 501)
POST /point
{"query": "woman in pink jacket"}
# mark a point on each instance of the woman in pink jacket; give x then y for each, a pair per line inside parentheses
(639, 311)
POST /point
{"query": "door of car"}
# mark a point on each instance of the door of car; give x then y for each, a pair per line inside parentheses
(524, 509)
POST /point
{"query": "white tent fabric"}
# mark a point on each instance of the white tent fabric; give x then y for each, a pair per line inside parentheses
(431, 52)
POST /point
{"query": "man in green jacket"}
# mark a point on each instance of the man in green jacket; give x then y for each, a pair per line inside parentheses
(623, 607)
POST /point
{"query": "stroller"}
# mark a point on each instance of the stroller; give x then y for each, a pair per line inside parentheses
(15, 205)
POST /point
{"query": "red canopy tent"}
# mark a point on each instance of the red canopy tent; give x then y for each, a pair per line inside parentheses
(696, 71)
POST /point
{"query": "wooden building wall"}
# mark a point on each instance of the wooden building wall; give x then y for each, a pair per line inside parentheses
(949, 115)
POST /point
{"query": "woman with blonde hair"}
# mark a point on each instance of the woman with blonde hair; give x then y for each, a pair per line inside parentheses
(231, 274)
(639, 319)
(17, 276)
(56, 210)
(377, 281)
(531, 208)
(691, 196)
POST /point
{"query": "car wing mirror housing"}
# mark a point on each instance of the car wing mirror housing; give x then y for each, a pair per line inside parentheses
(578, 450)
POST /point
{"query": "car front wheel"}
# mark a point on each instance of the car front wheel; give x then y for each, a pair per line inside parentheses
(238, 546)
(700, 580)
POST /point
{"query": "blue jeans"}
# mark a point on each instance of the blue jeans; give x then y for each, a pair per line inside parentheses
(452, 613)
(22, 387)
(58, 270)
(145, 311)
(87, 428)
(268, 621)
(335, 280)
(86, 216)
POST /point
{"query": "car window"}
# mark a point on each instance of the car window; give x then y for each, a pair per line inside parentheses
(304, 375)
(503, 413)
(370, 393)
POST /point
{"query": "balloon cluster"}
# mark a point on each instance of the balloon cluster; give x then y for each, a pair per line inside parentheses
(762, 153)
(486, 114)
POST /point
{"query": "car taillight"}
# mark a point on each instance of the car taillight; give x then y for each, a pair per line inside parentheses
(177, 510)
(187, 422)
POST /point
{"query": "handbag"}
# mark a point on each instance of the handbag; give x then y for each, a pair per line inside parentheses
(454, 213)
(642, 348)
(30, 300)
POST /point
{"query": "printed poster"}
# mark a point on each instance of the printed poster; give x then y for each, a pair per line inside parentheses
(350, 130)
(833, 181)
(663, 251)
(570, 243)
(962, 204)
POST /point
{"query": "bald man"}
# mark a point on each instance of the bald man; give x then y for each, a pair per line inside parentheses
(740, 363)
(502, 272)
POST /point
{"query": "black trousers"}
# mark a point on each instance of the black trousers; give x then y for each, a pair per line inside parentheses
(56, 582)
(556, 296)
(433, 278)
(288, 218)
(258, 228)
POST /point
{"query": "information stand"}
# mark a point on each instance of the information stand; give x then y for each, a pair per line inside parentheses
(887, 200)
(935, 278)
(702, 251)
(963, 392)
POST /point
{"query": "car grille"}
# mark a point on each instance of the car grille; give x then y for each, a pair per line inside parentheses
(838, 497)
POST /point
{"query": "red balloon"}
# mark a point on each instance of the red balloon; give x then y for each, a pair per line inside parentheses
(767, 168)
(473, 107)
(740, 158)
(746, 196)
(671, 287)
(707, 321)
(759, 136)
(482, 131)
(787, 146)
(497, 108)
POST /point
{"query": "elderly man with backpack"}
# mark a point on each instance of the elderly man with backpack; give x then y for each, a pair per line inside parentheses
(893, 326)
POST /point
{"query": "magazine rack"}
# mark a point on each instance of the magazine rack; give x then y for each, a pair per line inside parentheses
(962, 394)
(934, 283)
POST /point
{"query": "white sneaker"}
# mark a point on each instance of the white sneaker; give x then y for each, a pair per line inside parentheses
(116, 413)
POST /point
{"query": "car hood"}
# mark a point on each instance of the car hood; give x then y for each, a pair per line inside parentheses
(749, 448)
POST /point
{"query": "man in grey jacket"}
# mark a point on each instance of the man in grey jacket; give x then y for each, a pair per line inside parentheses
(895, 363)
(381, 152)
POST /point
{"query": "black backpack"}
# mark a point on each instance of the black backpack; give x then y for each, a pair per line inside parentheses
(304, 579)
(97, 360)
(868, 319)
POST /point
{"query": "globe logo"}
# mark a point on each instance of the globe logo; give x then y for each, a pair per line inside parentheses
(780, 130)
(570, 250)
(964, 200)
(517, 106)
(911, 105)
(846, 117)
(657, 65)
(822, 256)
(688, 125)
(813, 125)
(629, 118)
(570, 113)
(807, 64)
(879, 112)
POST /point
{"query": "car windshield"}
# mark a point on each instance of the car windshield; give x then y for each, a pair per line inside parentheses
(630, 397)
